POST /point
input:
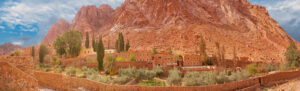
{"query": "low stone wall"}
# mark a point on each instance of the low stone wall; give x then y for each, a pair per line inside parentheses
(23, 63)
(61, 82)
(279, 77)
(137, 64)
(14, 79)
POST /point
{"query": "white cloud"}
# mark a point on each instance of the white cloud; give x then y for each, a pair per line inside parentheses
(43, 13)
(2, 27)
(17, 43)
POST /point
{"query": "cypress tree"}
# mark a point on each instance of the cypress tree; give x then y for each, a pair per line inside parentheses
(117, 45)
(127, 45)
(121, 42)
(87, 41)
(32, 52)
(94, 43)
(100, 54)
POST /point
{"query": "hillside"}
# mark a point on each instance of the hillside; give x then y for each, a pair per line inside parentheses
(7, 48)
(180, 23)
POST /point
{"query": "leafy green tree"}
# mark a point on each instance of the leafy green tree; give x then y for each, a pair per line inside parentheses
(127, 45)
(69, 43)
(32, 51)
(100, 54)
(292, 55)
(60, 45)
(87, 40)
(43, 52)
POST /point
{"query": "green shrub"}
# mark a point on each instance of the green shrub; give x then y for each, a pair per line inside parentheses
(239, 75)
(222, 78)
(119, 59)
(132, 58)
(271, 67)
(70, 71)
(91, 61)
(158, 71)
(251, 68)
(144, 74)
(121, 80)
(129, 72)
(152, 83)
(192, 79)
(174, 77)
(283, 67)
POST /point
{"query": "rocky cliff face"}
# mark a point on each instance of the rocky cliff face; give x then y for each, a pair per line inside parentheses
(91, 18)
(57, 29)
(180, 23)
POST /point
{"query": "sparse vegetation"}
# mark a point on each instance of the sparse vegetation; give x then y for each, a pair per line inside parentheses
(170, 51)
(271, 67)
(17, 52)
(110, 63)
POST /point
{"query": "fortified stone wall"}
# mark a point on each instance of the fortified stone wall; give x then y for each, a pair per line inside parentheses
(23, 63)
(13, 79)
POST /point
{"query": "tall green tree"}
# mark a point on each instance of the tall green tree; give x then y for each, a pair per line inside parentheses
(32, 51)
(292, 55)
(94, 43)
(69, 43)
(100, 54)
(127, 45)
(43, 51)
(87, 40)
(121, 42)
(117, 45)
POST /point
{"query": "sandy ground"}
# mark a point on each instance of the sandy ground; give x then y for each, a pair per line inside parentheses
(293, 85)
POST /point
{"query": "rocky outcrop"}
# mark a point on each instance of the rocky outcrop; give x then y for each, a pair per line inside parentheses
(57, 29)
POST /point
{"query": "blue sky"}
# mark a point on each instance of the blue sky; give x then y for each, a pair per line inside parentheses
(26, 22)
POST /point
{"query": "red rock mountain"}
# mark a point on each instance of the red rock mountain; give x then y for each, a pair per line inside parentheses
(57, 29)
(7, 48)
(180, 23)
(91, 18)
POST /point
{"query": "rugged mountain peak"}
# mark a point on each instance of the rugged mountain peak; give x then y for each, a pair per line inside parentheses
(60, 27)
(7, 48)
(90, 18)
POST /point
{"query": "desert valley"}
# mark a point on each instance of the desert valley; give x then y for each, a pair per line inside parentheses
(157, 45)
